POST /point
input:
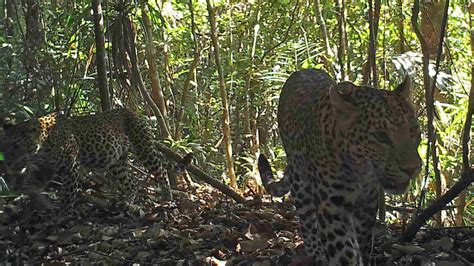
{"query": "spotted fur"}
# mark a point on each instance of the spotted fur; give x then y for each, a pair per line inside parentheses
(341, 141)
(39, 149)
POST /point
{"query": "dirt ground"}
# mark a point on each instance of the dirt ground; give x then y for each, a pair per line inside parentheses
(201, 227)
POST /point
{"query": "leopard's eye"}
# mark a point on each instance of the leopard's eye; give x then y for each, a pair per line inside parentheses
(382, 137)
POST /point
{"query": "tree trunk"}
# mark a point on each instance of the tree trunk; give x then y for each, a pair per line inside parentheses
(100, 56)
(431, 147)
(431, 17)
(156, 90)
(345, 40)
(128, 51)
(138, 81)
(225, 106)
(466, 144)
(189, 77)
(328, 53)
(342, 40)
(370, 71)
(460, 209)
(10, 17)
(400, 22)
(250, 130)
(34, 39)
(34, 28)
(166, 58)
(431, 20)
(370, 75)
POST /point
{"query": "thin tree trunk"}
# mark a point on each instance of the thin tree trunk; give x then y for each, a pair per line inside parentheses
(156, 90)
(431, 16)
(34, 39)
(138, 81)
(342, 40)
(239, 114)
(370, 75)
(426, 83)
(34, 28)
(225, 106)
(440, 179)
(431, 23)
(430, 27)
(249, 97)
(189, 77)
(460, 209)
(100, 56)
(322, 28)
(370, 72)
(467, 145)
(431, 147)
(10, 17)
(166, 59)
(400, 18)
(328, 53)
(166, 62)
(345, 40)
(129, 48)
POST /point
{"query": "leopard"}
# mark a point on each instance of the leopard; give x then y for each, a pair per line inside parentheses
(61, 148)
(343, 143)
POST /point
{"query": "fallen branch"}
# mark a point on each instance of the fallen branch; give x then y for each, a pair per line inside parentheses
(408, 209)
(202, 175)
(467, 178)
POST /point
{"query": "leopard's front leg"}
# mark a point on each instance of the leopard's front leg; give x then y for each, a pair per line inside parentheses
(69, 176)
(365, 221)
(337, 232)
(65, 158)
(302, 190)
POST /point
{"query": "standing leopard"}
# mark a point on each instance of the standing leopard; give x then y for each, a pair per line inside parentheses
(341, 142)
(38, 150)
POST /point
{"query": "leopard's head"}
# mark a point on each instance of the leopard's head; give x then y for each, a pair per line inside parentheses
(379, 128)
(19, 141)
(19, 144)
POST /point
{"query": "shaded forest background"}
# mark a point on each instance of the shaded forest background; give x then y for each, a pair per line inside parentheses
(208, 73)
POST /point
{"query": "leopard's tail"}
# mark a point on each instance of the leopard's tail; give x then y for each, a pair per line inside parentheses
(273, 187)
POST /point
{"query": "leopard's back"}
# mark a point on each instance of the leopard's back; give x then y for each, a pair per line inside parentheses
(301, 103)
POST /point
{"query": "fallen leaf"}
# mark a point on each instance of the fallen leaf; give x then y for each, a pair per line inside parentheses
(252, 245)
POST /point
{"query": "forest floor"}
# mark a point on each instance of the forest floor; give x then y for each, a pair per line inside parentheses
(202, 228)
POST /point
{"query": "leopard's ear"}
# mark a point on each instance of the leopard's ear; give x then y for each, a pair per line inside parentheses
(404, 88)
(346, 114)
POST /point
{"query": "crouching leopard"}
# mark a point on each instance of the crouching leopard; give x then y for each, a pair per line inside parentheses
(341, 141)
(55, 146)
